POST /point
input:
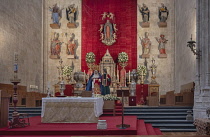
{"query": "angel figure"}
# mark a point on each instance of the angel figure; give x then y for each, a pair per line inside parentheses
(102, 36)
(104, 15)
(101, 28)
(114, 26)
(114, 36)
(111, 15)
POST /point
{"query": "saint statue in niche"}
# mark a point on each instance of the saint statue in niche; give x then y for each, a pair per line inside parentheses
(146, 45)
(161, 47)
(71, 46)
(56, 15)
(144, 10)
(163, 15)
(108, 30)
(55, 46)
(71, 15)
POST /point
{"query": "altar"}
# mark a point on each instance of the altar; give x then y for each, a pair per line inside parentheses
(71, 109)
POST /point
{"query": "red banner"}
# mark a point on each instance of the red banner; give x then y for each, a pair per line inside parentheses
(125, 18)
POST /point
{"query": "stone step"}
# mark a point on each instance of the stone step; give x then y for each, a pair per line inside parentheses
(168, 121)
(157, 113)
(177, 130)
(162, 117)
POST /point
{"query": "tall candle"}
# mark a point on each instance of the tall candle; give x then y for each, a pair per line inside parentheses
(129, 78)
(125, 78)
(15, 62)
(84, 76)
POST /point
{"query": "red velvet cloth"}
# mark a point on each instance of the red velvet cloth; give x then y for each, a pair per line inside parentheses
(69, 90)
(138, 92)
(125, 12)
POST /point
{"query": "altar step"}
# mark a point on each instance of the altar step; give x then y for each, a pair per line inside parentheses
(147, 129)
(168, 119)
(109, 112)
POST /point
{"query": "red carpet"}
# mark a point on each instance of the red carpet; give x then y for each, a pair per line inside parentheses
(141, 128)
(38, 128)
(150, 129)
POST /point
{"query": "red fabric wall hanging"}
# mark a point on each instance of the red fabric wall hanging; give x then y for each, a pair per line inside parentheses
(125, 12)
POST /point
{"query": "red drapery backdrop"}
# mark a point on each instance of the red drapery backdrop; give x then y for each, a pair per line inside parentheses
(125, 12)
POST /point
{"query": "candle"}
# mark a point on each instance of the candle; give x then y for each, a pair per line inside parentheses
(125, 79)
(15, 62)
(84, 76)
(117, 75)
(129, 76)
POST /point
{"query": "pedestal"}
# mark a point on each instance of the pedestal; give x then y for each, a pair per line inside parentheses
(145, 56)
(123, 77)
(162, 56)
(71, 25)
(144, 24)
(54, 57)
(70, 56)
(55, 26)
(153, 96)
(162, 24)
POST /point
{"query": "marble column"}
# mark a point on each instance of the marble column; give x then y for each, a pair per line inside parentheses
(202, 90)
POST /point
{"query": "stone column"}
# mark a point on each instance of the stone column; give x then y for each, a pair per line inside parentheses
(202, 90)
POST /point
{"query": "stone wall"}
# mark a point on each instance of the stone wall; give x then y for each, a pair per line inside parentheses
(51, 72)
(165, 66)
(185, 18)
(21, 32)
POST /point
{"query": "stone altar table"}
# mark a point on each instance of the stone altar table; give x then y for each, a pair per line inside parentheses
(71, 109)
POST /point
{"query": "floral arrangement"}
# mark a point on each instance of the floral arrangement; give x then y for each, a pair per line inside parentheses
(67, 70)
(90, 57)
(142, 70)
(107, 97)
(122, 57)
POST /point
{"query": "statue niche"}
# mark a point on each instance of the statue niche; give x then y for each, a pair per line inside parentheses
(107, 63)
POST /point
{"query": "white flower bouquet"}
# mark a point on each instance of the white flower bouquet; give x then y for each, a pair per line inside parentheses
(122, 57)
(67, 70)
(141, 70)
(107, 97)
(90, 57)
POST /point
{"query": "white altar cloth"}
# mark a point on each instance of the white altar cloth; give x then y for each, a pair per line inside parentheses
(84, 108)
